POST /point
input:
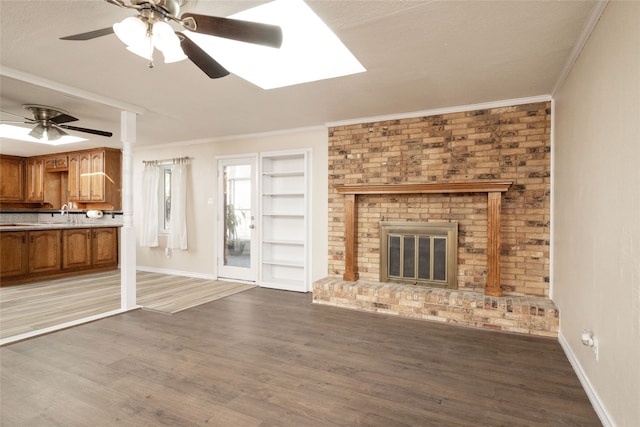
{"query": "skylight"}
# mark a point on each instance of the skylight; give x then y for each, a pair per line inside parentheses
(310, 51)
(22, 134)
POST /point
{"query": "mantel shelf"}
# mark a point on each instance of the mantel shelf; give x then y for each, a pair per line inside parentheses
(435, 188)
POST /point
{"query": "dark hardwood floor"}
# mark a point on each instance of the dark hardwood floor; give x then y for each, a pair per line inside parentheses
(270, 358)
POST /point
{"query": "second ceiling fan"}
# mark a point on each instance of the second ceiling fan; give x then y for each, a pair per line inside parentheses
(150, 29)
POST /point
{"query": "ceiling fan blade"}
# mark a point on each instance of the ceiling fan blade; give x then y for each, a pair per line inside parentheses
(15, 122)
(63, 118)
(235, 29)
(85, 130)
(28, 120)
(89, 35)
(202, 59)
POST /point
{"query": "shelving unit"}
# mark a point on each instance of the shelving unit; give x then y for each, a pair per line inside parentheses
(284, 207)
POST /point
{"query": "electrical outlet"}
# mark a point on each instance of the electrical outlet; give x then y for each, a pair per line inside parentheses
(595, 347)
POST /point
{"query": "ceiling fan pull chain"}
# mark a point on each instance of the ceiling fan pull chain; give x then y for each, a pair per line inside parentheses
(150, 37)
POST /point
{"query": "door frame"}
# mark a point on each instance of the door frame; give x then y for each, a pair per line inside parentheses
(230, 272)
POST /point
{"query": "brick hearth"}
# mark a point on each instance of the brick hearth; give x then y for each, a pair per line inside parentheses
(520, 314)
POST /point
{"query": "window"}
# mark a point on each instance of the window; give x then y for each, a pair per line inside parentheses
(165, 199)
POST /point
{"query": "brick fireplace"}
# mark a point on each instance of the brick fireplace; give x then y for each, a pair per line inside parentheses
(498, 145)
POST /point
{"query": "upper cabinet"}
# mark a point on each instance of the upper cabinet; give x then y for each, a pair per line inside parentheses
(35, 179)
(95, 178)
(91, 179)
(56, 163)
(12, 178)
(73, 177)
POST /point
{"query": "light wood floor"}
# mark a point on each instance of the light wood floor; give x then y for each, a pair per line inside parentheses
(271, 358)
(36, 306)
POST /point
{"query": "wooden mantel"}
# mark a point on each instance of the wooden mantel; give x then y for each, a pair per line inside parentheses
(494, 199)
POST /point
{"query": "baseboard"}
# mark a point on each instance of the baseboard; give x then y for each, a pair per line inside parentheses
(72, 323)
(597, 404)
(176, 273)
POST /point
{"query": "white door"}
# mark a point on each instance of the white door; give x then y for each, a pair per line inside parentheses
(238, 242)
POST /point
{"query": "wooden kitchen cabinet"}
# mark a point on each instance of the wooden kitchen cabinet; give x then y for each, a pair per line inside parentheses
(89, 248)
(96, 177)
(28, 256)
(76, 248)
(12, 178)
(14, 254)
(104, 247)
(84, 177)
(56, 163)
(35, 179)
(73, 176)
(44, 251)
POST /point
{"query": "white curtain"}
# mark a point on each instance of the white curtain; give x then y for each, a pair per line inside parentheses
(178, 226)
(150, 203)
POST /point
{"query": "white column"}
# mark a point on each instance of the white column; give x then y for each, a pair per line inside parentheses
(128, 231)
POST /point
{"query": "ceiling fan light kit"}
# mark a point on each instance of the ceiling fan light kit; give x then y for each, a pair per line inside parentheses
(49, 126)
(143, 34)
(50, 133)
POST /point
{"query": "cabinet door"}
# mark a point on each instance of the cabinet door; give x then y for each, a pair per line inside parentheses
(97, 176)
(76, 248)
(13, 253)
(104, 243)
(12, 179)
(44, 251)
(35, 179)
(84, 177)
(55, 163)
(73, 177)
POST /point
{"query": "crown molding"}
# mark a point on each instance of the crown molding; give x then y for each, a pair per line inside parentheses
(445, 110)
(589, 26)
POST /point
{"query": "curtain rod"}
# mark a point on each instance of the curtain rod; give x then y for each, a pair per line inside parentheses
(174, 161)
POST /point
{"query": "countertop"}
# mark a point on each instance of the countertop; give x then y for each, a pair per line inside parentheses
(27, 226)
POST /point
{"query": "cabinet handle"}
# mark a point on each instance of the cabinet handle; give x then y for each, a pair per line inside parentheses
(24, 240)
(31, 239)
(88, 235)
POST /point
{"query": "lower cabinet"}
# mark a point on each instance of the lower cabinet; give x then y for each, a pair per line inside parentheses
(104, 247)
(89, 247)
(44, 251)
(14, 255)
(27, 256)
(76, 248)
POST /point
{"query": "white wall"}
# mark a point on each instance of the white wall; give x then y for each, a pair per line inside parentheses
(597, 213)
(200, 259)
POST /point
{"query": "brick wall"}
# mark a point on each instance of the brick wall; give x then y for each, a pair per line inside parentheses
(508, 143)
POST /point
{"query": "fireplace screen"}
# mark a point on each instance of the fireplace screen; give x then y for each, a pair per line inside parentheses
(422, 253)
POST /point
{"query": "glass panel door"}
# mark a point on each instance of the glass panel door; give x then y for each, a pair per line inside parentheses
(237, 246)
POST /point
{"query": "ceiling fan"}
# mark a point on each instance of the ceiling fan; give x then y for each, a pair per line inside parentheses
(149, 29)
(50, 121)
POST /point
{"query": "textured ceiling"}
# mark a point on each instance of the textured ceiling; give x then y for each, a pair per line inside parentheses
(419, 55)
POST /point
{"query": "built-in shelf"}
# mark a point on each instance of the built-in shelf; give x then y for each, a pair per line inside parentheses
(284, 200)
(282, 174)
(284, 242)
(284, 214)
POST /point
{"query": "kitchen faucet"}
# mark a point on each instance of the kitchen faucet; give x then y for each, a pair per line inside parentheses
(62, 211)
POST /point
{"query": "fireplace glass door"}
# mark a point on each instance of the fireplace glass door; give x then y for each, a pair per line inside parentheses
(419, 253)
(419, 257)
